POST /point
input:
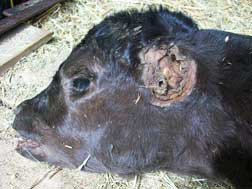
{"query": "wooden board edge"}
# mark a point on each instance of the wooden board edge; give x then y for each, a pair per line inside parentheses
(32, 47)
(11, 22)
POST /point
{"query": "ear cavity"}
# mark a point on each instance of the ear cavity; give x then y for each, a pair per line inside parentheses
(170, 75)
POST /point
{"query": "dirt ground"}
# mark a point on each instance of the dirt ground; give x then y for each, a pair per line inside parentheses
(70, 22)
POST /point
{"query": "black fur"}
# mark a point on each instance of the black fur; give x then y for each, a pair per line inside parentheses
(208, 134)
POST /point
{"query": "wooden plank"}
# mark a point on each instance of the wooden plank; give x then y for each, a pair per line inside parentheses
(25, 14)
(15, 10)
(20, 42)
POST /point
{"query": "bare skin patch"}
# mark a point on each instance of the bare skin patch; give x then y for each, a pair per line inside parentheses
(168, 74)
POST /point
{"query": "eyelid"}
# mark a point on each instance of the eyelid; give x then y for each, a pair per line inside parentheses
(88, 74)
(82, 71)
(92, 77)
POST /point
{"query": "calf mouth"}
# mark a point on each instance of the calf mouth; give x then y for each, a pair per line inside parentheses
(28, 144)
(32, 144)
(30, 149)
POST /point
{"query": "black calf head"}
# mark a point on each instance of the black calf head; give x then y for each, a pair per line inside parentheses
(91, 100)
(147, 91)
(107, 97)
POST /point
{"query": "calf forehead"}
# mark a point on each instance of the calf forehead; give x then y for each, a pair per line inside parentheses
(80, 61)
(119, 38)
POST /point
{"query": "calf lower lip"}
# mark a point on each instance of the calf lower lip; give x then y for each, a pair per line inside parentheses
(27, 143)
(30, 149)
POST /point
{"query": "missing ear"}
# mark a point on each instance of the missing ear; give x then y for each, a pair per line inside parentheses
(169, 75)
